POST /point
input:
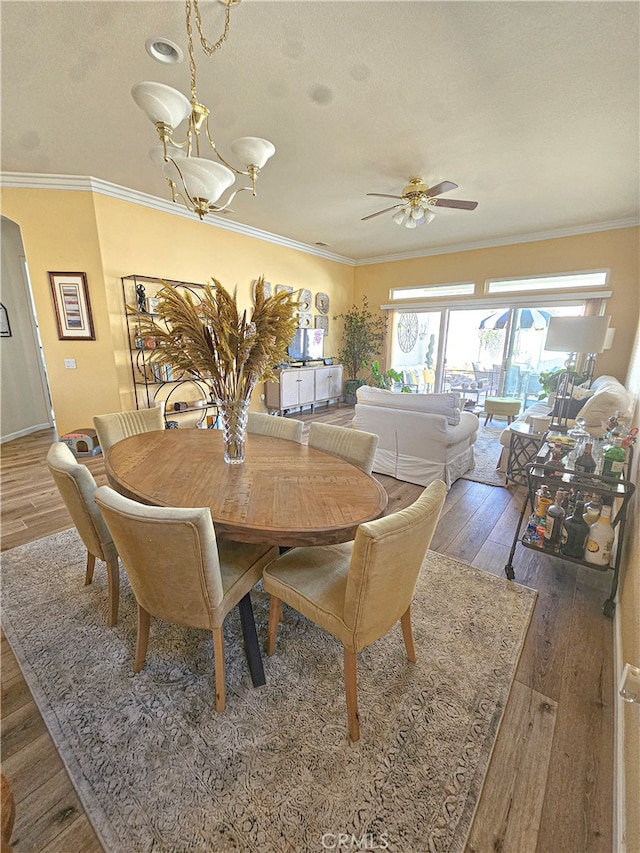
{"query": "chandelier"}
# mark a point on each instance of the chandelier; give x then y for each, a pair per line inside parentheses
(196, 180)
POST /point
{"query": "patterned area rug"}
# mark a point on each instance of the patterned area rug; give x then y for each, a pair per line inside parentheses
(158, 770)
(487, 452)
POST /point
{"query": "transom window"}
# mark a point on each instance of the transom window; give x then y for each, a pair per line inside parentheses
(564, 281)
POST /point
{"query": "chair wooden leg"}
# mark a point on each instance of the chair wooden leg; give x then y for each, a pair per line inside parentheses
(91, 564)
(218, 657)
(275, 615)
(144, 621)
(113, 591)
(351, 691)
(407, 635)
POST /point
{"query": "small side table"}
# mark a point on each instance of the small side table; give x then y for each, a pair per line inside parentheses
(524, 445)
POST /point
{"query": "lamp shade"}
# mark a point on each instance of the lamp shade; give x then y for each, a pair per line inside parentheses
(576, 334)
(161, 103)
(202, 178)
(253, 151)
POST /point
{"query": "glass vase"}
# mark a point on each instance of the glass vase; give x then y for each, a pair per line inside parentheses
(234, 415)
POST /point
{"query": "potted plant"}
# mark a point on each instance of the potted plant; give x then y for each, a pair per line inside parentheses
(549, 381)
(377, 379)
(362, 338)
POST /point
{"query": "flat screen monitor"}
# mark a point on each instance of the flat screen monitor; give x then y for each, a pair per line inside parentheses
(307, 345)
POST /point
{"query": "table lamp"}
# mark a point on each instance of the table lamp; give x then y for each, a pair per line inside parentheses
(573, 335)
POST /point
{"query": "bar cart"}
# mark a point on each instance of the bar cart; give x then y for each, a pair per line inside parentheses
(612, 489)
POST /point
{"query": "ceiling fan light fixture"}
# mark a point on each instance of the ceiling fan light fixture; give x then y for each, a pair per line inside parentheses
(400, 216)
(196, 181)
(410, 223)
(417, 212)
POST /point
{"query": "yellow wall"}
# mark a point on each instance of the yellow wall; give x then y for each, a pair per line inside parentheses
(108, 238)
(617, 250)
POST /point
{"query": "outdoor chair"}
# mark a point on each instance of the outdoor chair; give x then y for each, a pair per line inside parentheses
(181, 574)
(359, 590)
(77, 488)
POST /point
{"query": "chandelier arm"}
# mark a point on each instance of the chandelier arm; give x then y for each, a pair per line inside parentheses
(218, 154)
(214, 208)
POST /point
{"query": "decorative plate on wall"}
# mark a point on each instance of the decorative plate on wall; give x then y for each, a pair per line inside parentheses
(304, 320)
(305, 299)
(322, 303)
(266, 288)
(322, 322)
(407, 331)
(283, 288)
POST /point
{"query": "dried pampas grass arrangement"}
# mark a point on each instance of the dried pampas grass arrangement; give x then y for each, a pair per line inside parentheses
(209, 340)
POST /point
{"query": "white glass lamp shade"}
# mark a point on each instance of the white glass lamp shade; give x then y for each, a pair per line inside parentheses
(576, 334)
(400, 217)
(156, 154)
(429, 216)
(417, 213)
(202, 178)
(161, 103)
(410, 223)
(253, 151)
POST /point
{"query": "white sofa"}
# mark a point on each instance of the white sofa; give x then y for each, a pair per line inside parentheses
(422, 437)
(605, 397)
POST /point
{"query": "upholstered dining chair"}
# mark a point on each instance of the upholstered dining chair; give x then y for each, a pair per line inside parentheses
(118, 425)
(357, 591)
(77, 488)
(180, 573)
(356, 446)
(279, 427)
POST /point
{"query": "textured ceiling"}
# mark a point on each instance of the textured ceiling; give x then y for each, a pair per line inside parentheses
(531, 108)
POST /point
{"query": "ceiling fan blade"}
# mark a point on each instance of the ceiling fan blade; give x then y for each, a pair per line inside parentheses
(386, 210)
(384, 195)
(455, 202)
(442, 187)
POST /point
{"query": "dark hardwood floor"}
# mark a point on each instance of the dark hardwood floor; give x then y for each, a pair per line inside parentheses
(550, 783)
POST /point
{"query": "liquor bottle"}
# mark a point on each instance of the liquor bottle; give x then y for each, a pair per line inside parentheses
(600, 540)
(592, 510)
(556, 459)
(555, 518)
(614, 459)
(577, 531)
(585, 462)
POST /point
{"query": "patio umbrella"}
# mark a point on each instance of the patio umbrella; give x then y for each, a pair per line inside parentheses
(530, 318)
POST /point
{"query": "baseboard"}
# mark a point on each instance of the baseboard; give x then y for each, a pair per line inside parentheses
(619, 820)
(23, 432)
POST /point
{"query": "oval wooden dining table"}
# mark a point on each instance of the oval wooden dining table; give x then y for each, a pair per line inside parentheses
(284, 493)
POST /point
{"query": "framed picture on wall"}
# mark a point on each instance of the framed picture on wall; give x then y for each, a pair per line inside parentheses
(5, 328)
(71, 303)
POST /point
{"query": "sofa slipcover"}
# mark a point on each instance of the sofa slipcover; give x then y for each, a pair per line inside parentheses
(421, 437)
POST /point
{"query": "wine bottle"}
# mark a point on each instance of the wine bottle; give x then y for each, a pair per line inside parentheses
(585, 462)
(600, 540)
(577, 531)
(555, 518)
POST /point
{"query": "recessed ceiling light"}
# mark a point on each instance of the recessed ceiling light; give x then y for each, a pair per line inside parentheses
(163, 50)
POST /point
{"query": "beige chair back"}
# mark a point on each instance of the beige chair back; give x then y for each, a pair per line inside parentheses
(118, 425)
(278, 427)
(354, 445)
(170, 556)
(77, 488)
(385, 563)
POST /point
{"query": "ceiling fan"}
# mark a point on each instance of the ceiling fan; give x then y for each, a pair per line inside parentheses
(416, 200)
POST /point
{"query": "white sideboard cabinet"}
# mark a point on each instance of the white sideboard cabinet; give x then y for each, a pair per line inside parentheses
(296, 387)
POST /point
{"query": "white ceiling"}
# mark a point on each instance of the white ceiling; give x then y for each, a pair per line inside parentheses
(532, 108)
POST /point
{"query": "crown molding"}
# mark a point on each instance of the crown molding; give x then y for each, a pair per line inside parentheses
(81, 183)
(504, 241)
